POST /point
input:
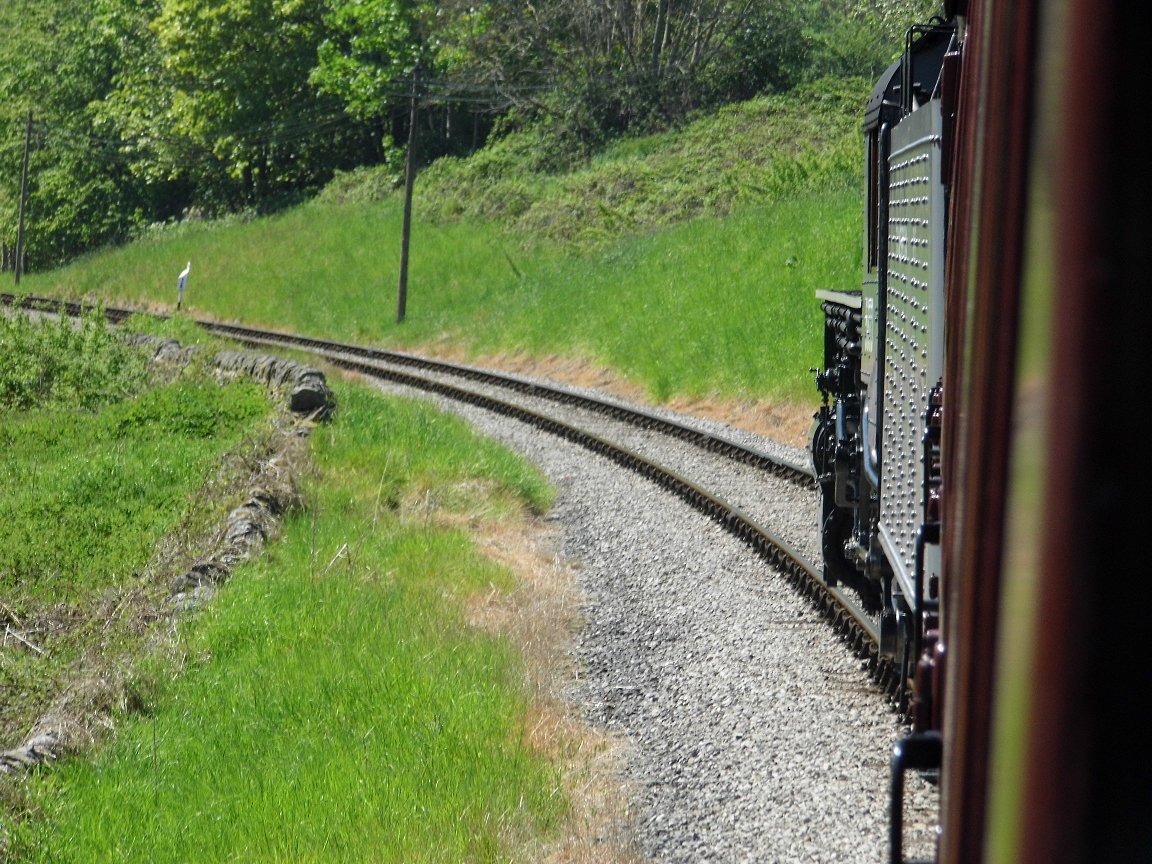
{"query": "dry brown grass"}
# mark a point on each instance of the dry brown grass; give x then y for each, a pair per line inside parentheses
(784, 422)
(542, 616)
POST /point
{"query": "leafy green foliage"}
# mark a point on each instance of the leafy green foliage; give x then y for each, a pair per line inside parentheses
(364, 185)
(57, 62)
(184, 410)
(370, 45)
(51, 362)
(767, 149)
(148, 112)
(231, 108)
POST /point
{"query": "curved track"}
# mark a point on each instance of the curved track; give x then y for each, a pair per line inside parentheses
(499, 393)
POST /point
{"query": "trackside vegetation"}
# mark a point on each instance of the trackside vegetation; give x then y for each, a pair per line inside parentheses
(686, 261)
(339, 699)
(138, 111)
(332, 702)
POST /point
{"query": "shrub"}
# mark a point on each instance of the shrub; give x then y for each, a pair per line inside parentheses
(53, 361)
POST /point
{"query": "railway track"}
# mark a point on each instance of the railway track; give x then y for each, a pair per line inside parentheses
(739, 486)
(753, 734)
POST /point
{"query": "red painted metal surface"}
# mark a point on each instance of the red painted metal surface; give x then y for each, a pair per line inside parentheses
(991, 167)
(1050, 112)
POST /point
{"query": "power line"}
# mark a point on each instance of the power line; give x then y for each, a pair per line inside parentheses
(491, 95)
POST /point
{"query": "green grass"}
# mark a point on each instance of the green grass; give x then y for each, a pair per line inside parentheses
(343, 716)
(109, 483)
(717, 307)
(720, 306)
(331, 703)
(93, 478)
(687, 261)
(47, 363)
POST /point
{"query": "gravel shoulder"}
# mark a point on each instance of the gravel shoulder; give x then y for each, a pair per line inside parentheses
(750, 731)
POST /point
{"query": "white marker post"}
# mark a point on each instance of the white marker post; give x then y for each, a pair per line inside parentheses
(181, 284)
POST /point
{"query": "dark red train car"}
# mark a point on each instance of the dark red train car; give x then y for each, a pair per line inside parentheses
(980, 445)
(1050, 255)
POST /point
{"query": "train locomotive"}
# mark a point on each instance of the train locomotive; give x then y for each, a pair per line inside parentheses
(876, 439)
(979, 466)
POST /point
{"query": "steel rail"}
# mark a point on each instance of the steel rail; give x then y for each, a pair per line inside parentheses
(637, 417)
(851, 623)
(711, 442)
(846, 618)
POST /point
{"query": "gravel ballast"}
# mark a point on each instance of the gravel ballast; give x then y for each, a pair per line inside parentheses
(753, 733)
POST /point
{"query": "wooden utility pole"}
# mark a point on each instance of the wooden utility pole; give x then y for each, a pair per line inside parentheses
(18, 265)
(409, 179)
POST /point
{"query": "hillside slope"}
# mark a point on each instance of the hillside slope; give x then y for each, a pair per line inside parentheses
(680, 267)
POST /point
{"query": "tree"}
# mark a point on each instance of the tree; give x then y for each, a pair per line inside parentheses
(219, 95)
(145, 108)
(618, 65)
(370, 53)
(57, 66)
(851, 37)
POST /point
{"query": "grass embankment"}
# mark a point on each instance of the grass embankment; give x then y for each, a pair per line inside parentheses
(336, 701)
(333, 702)
(687, 261)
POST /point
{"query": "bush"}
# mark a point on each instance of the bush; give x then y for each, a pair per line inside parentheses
(53, 361)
